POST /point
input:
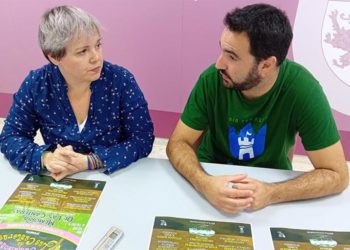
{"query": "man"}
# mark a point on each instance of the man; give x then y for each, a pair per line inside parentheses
(247, 109)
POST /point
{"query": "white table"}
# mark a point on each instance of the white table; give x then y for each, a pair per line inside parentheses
(151, 187)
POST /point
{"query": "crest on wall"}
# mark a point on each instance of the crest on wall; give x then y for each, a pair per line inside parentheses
(336, 38)
(321, 43)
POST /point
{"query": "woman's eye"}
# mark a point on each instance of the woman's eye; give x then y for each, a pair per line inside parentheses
(82, 52)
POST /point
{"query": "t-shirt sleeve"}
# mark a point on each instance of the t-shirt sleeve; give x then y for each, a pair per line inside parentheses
(195, 112)
(317, 127)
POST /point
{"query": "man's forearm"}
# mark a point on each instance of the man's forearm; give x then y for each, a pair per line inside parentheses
(314, 184)
(182, 156)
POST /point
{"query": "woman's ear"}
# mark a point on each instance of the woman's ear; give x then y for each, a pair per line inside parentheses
(53, 60)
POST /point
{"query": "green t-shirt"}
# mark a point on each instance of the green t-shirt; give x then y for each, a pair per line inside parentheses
(260, 132)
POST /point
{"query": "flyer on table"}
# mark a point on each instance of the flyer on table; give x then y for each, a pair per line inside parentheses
(45, 214)
(298, 239)
(181, 233)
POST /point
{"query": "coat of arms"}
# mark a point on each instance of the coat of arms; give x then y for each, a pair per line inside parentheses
(336, 38)
(322, 44)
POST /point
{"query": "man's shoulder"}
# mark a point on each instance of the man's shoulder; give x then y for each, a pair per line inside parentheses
(209, 72)
(297, 78)
(295, 69)
(209, 78)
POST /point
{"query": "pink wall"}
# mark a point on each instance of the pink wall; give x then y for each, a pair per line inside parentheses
(165, 43)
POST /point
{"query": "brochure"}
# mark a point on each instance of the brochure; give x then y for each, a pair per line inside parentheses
(45, 214)
(180, 233)
(298, 239)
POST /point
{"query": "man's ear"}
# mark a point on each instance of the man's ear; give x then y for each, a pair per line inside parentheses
(53, 60)
(268, 64)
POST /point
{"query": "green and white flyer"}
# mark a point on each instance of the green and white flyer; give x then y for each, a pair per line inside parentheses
(298, 239)
(179, 233)
(45, 214)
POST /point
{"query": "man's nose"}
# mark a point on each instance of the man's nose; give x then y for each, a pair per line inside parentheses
(220, 62)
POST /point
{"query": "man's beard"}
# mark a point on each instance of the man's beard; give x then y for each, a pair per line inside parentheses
(252, 80)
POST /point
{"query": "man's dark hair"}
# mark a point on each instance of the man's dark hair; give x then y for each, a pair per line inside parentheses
(267, 27)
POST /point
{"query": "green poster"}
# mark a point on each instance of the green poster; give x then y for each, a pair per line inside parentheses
(297, 239)
(45, 214)
(178, 233)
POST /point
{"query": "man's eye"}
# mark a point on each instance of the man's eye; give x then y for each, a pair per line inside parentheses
(232, 57)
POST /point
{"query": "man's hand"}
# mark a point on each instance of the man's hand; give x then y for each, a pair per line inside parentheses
(64, 161)
(261, 192)
(227, 198)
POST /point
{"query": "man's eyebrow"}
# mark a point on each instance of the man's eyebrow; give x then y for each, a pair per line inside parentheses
(231, 52)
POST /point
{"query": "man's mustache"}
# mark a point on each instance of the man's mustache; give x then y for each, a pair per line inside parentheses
(224, 73)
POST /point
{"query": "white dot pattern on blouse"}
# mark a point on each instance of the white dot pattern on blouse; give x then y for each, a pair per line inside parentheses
(118, 128)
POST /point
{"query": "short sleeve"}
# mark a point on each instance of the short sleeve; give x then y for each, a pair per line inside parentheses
(195, 112)
(316, 125)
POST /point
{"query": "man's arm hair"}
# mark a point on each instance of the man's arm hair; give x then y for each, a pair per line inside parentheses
(181, 151)
(330, 176)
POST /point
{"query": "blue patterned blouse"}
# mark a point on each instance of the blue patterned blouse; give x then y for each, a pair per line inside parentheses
(118, 128)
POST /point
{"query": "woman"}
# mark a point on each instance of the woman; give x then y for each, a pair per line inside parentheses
(91, 113)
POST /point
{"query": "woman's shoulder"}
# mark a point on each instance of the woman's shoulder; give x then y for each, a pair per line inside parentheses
(39, 82)
(43, 74)
(43, 70)
(114, 70)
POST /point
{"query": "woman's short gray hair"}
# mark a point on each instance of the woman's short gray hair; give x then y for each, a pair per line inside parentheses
(62, 24)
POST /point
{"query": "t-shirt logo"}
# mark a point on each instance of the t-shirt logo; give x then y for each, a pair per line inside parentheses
(246, 144)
